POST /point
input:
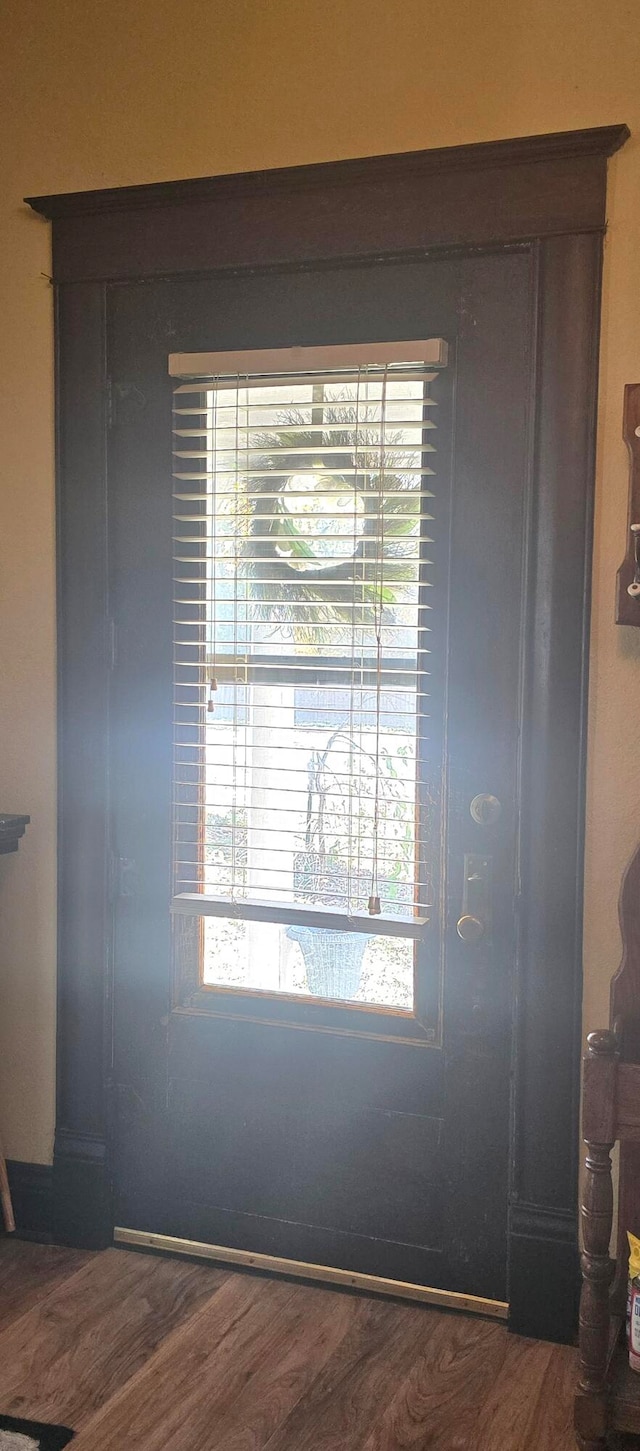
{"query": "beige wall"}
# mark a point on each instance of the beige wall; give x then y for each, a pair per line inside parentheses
(95, 94)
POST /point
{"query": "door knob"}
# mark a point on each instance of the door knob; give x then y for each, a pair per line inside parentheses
(469, 928)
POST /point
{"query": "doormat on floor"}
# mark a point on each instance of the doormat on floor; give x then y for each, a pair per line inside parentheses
(32, 1435)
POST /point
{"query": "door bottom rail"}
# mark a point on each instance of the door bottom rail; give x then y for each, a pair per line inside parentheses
(324, 1274)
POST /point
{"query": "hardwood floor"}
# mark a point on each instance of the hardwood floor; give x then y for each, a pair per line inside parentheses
(142, 1353)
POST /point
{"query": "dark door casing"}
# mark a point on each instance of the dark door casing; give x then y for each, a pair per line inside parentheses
(546, 194)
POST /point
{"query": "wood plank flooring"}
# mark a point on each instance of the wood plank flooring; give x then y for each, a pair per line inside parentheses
(143, 1353)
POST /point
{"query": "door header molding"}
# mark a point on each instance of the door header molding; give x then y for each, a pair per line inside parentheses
(487, 193)
(595, 141)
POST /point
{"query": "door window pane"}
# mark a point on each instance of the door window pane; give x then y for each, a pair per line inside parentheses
(303, 568)
(308, 961)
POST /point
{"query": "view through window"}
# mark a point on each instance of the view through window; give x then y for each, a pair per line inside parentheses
(303, 563)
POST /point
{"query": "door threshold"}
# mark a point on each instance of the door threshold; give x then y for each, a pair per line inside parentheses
(325, 1274)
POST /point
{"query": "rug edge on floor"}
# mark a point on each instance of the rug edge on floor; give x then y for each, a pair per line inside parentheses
(46, 1437)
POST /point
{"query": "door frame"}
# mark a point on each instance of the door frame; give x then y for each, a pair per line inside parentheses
(548, 193)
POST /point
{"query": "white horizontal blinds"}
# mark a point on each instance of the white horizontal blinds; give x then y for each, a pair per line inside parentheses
(302, 566)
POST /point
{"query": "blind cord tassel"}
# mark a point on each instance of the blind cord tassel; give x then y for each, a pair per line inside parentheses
(374, 907)
(213, 686)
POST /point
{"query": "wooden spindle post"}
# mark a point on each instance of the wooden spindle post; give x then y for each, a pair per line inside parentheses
(600, 1066)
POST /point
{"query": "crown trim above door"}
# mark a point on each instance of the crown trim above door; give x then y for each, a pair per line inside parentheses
(461, 196)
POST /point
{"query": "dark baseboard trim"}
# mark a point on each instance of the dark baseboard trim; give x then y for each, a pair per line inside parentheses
(32, 1195)
(544, 1273)
(82, 1212)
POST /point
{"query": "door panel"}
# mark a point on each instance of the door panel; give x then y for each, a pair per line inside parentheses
(369, 1141)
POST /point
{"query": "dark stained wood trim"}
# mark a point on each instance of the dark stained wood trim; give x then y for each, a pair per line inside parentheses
(84, 967)
(82, 1191)
(549, 989)
(479, 195)
(544, 1272)
(556, 716)
(32, 1194)
(546, 188)
(559, 145)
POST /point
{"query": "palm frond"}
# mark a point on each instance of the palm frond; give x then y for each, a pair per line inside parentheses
(342, 594)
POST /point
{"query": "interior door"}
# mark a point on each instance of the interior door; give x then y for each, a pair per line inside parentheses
(349, 1131)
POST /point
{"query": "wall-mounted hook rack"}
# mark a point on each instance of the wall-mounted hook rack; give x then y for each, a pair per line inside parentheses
(628, 592)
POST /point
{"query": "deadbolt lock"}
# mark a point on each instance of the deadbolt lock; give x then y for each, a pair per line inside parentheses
(485, 809)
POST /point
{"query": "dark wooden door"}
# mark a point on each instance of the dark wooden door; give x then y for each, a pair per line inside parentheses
(365, 1139)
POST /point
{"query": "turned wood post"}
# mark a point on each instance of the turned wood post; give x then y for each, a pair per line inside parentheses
(599, 1103)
